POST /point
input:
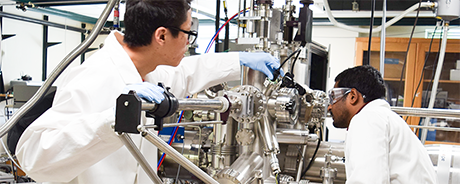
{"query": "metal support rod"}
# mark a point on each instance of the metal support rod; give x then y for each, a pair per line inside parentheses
(186, 124)
(175, 155)
(59, 69)
(126, 139)
(434, 90)
(42, 22)
(300, 168)
(424, 112)
(449, 129)
(69, 2)
(217, 23)
(382, 39)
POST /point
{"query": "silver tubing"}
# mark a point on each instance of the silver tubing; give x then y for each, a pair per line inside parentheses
(424, 112)
(126, 139)
(175, 155)
(449, 129)
(59, 69)
(202, 104)
(434, 89)
(197, 123)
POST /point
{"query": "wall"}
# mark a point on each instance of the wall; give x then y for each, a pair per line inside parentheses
(22, 54)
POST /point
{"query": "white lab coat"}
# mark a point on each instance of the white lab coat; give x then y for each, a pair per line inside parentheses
(381, 148)
(73, 141)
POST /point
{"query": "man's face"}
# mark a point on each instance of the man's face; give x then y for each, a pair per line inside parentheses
(339, 112)
(178, 46)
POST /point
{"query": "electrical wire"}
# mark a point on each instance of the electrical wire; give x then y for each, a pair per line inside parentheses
(370, 32)
(293, 63)
(423, 73)
(178, 168)
(407, 53)
(430, 83)
(289, 57)
(171, 139)
(423, 69)
(218, 31)
(314, 154)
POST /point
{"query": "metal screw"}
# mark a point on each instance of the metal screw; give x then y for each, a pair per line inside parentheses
(126, 103)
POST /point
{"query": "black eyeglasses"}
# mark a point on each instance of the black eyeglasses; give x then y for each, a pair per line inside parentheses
(191, 34)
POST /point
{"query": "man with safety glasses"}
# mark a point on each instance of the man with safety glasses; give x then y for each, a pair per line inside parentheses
(379, 147)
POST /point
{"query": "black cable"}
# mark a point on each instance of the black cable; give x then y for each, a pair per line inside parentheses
(314, 154)
(424, 66)
(289, 57)
(423, 69)
(276, 73)
(407, 52)
(293, 63)
(430, 83)
(433, 72)
(370, 32)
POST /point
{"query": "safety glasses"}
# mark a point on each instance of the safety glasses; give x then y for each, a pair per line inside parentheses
(335, 94)
(191, 34)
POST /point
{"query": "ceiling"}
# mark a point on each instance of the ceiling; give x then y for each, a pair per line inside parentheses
(89, 10)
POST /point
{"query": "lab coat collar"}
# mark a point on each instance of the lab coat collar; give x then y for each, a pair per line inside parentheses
(121, 59)
(375, 104)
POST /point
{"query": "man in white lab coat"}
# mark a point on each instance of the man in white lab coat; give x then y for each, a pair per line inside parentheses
(73, 141)
(379, 147)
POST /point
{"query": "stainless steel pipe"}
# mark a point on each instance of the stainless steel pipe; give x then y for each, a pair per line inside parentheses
(300, 137)
(126, 139)
(170, 151)
(424, 112)
(186, 124)
(449, 129)
(218, 104)
(59, 69)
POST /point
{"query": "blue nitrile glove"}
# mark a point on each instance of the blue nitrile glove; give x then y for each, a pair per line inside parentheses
(147, 91)
(260, 61)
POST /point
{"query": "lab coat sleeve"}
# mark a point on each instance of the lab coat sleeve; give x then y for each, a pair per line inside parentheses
(72, 135)
(367, 150)
(196, 73)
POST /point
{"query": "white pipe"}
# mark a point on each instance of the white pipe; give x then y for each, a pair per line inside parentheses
(434, 90)
(377, 29)
(382, 39)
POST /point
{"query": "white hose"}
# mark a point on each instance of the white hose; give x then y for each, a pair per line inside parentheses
(377, 29)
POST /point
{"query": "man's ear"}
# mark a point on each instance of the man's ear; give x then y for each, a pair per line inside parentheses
(159, 35)
(353, 96)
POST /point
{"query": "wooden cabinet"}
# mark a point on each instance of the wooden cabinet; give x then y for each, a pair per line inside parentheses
(415, 84)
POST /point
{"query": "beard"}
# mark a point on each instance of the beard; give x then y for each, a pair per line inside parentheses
(340, 119)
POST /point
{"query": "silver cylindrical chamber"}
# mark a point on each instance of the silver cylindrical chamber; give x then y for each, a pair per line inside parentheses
(313, 174)
(242, 170)
(253, 77)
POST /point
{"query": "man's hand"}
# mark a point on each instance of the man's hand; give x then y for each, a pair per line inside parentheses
(147, 91)
(260, 61)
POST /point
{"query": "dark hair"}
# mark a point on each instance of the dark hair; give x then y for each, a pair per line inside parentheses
(144, 17)
(366, 79)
